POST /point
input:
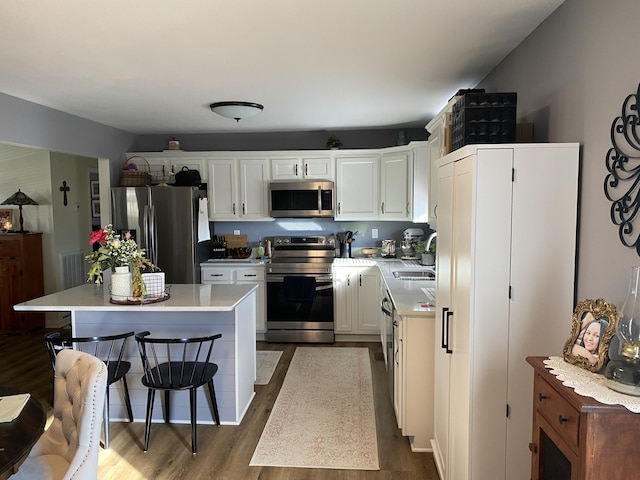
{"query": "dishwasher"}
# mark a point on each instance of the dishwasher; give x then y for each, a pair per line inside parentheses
(387, 337)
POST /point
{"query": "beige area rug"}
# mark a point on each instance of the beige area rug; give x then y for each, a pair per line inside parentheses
(266, 362)
(324, 415)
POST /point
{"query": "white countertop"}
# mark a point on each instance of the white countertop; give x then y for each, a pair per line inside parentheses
(408, 296)
(183, 298)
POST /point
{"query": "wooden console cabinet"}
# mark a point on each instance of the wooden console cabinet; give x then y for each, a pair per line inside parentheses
(21, 279)
(577, 437)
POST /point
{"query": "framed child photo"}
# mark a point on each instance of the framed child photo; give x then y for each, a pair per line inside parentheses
(593, 324)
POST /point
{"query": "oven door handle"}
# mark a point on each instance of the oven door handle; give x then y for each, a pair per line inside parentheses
(271, 278)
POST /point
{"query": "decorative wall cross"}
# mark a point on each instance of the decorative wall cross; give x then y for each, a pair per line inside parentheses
(64, 189)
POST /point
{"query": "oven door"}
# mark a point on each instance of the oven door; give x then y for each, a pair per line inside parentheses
(299, 319)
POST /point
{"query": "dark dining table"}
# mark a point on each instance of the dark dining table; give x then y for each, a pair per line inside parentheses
(20, 435)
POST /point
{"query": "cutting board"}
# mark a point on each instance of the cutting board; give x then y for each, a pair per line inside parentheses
(236, 241)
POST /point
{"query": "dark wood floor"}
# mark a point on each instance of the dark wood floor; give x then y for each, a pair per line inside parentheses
(223, 452)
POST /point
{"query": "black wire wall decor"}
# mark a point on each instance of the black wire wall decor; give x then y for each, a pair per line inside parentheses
(622, 183)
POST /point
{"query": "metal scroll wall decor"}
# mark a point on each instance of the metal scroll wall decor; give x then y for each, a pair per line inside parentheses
(622, 183)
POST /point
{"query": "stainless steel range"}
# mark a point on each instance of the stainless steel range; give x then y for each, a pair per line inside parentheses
(300, 290)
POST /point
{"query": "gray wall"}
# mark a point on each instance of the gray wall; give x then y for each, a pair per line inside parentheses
(315, 140)
(572, 75)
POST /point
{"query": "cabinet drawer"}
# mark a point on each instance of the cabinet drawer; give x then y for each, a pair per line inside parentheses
(561, 415)
(218, 275)
(250, 274)
(9, 248)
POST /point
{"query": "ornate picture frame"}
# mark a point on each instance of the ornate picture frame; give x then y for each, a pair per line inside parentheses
(593, 325)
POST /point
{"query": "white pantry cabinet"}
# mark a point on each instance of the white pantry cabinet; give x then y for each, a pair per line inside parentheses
(240, 274)
(238, 189)
(507, 217)
(356, 304)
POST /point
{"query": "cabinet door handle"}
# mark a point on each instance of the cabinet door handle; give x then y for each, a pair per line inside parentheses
(306, 169)
(541, 397)
(443, 343)
(296, 169)
(562, 420)
(216, 275)
(533, 448)
(382, 208)
(249, 275)
(360, 279)
(244, 210)
(447, 349)
(234, 208)
(338, 207)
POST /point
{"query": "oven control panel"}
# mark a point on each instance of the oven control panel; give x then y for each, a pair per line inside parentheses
(308, 240)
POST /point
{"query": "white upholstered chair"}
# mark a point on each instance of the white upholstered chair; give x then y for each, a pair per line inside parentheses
(69, 448)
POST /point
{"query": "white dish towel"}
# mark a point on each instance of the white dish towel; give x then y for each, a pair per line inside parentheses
(204, 234)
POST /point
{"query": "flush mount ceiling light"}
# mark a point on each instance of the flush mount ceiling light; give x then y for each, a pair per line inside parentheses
(236, 110)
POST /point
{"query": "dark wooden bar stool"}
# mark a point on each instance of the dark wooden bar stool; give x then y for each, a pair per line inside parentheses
(177, 364)
(110, 349)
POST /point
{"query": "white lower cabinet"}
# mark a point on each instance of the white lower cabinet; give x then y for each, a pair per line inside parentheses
(212, 274)
(413, 379)
(507, 217)
(356, 305)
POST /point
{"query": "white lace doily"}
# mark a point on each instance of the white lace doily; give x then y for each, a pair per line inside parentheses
(590, 384)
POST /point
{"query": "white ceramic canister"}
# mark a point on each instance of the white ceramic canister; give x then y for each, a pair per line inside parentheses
(121, 283)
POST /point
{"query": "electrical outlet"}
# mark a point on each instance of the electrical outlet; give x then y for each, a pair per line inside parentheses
(374, 233)
(236, 232)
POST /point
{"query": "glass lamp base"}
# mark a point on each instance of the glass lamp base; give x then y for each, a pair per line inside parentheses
(623, 376)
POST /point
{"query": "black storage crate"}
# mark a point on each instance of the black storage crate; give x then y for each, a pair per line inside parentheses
(484, 118)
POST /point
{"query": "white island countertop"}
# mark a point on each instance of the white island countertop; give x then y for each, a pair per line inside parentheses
(182, 298)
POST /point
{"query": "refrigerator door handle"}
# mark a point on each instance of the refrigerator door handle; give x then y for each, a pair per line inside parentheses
(153, 235)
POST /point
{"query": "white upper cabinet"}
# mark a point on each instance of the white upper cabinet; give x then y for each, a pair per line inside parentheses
(395, 173)
(357, 186)
(439, 129)
(302, 167)
(238, 189)
(164, 165)
(223, 189)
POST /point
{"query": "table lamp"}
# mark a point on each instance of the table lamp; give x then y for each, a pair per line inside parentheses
(20, 199)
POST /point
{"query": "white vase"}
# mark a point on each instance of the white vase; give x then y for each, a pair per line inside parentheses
(121, 282)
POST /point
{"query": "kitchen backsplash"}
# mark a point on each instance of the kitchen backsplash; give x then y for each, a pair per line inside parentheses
(318, 226)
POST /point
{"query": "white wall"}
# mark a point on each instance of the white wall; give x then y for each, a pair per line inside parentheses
(572, 75)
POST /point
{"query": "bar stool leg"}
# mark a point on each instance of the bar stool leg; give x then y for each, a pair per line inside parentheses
(214, 402)
(147, 430)
(127, 400)
(192, 397)
(105, 421)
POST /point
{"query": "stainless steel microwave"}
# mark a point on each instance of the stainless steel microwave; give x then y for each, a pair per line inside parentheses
(302, 198)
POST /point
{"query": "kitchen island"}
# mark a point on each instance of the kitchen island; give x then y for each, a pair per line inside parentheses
(191, 310)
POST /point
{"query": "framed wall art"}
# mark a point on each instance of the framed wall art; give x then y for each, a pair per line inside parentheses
(593, 324)
(95, 208)
(95, 189)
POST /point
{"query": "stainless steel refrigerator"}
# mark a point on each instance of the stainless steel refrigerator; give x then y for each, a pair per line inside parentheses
(163, 220)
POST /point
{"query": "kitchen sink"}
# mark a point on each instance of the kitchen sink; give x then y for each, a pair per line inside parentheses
(414, 274)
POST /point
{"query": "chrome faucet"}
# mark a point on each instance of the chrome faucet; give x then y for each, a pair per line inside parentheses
(431, 238)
